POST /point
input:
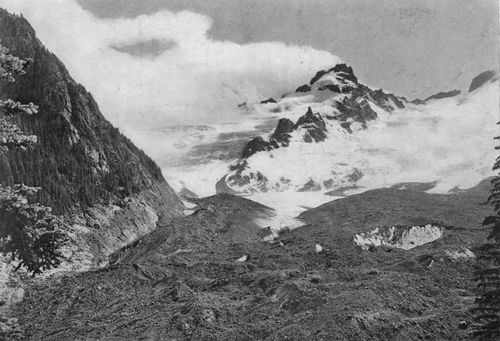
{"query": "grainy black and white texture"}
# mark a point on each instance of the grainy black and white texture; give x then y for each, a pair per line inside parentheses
(248, 170)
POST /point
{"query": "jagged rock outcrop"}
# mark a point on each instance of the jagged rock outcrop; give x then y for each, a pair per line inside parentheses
(439, 95)
(482, 78)
(312, 125)
(239, 179)
(255, 145)
(283, 129)
(343, 69)
(357, 110)
(108, 190)
(269, 100)
(303, 88)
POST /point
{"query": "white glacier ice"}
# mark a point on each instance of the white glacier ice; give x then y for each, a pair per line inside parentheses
(399, 237)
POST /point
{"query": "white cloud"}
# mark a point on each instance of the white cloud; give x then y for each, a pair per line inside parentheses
(197, 80)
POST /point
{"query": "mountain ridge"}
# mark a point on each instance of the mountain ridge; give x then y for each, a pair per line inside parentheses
(108, 191)
(337, 104)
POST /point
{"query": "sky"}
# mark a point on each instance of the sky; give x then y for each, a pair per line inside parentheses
(411, 47)
(152, 63)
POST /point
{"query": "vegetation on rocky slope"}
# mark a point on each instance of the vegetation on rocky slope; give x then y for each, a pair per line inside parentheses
(81, 159)
(29, 233)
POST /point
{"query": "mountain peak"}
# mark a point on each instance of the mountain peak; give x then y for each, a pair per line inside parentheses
(344, 70)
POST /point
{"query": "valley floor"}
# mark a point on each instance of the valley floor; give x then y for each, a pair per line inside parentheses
(210, 276)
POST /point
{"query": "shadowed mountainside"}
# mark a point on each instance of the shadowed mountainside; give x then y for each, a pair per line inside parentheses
(108, 191)
(80, 159)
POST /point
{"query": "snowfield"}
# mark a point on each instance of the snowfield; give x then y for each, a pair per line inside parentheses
(447, 142)
(421, 143)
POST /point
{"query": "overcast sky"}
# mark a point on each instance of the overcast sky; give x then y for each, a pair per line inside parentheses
(411, 47)
(151, 63)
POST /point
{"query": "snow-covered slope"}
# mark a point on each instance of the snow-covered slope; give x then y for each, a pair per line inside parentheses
(337, 136)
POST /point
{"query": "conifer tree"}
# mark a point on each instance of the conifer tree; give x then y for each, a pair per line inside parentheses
(29, 233)
(487, 303)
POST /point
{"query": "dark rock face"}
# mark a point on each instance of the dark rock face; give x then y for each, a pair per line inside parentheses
(255, 145)
(269, 100)
(331, 87)
(418, 101)
(314, 124)
(239, 179)
(481, 79)
(303, 88)
(382, 99)
(310, 186)
(318, 75)
(358, 111)
(283, 130)
(311, 118)
(439, 95)
(345, 71)
(347, 126)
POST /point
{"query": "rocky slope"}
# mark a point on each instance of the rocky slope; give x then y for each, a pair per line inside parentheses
(109, 192)
(439, 95)
(210, 276)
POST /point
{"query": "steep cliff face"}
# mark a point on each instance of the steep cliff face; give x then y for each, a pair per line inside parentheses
(108, 190)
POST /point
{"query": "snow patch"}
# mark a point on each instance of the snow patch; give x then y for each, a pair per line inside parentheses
(287, 206)
(189, 207)
(399, 237)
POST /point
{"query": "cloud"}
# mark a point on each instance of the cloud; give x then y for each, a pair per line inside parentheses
(194, 80)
